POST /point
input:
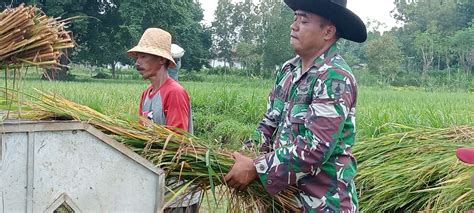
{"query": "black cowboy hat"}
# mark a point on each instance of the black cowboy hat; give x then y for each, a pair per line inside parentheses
(347, 23)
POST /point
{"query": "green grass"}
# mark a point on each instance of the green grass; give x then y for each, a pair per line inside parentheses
(231, 108)
(411, 107)
(228, 109)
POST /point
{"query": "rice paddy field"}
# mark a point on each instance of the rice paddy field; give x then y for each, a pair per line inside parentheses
(406, 136)
(237, 104)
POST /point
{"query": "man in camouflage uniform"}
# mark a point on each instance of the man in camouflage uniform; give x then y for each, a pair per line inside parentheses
(308, 130)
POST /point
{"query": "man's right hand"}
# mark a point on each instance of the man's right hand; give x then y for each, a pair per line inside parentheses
(243, 172)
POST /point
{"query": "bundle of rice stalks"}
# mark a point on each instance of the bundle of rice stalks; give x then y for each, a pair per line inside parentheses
(199, 164)
(415, 171)
(30, 38)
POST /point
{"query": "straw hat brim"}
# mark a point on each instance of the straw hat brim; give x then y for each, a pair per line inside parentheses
(154, 51)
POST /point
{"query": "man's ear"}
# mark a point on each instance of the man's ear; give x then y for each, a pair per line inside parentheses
(329, 32)
(163, 60)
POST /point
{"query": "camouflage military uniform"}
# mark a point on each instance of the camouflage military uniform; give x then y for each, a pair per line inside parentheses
(308, 132)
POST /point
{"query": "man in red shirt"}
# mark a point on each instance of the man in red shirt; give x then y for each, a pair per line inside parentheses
(165, 101)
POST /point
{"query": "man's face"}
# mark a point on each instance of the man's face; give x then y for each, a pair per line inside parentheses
(148, 65)
(309, 32)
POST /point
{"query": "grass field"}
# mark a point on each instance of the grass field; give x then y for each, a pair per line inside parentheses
(228, 109)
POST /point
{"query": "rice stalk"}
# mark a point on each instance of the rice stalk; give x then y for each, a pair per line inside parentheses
(30, 38)
(416, 170)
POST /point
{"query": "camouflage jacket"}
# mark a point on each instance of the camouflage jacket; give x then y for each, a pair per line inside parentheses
(307, 134)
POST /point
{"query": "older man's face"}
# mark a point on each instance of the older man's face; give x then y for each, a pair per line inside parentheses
(148, 65)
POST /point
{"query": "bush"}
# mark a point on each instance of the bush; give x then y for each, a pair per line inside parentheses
(223, 71)
(233, 71)
(364, 77)
(102, 75)
(136, 76)
(471, 88)
(231, 133)
(435, 80)
(185, 75)
(204, 123)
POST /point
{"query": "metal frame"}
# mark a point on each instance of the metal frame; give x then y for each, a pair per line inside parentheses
(63, 198)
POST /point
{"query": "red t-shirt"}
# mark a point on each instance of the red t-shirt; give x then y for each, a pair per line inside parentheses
(169, 105)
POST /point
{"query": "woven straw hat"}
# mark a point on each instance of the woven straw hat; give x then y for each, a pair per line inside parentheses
(154, 41)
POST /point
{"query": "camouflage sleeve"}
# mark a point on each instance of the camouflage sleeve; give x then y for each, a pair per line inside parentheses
(266, 127)
(334, 96)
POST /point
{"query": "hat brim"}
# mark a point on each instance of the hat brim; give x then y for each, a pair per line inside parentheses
(347, 23)
(153, 51)
(466, 155)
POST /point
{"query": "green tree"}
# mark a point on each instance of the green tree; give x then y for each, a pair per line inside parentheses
(223, 30)
(246, 21)
(248, 55)
(112, 27)
(427, 44)
(427, 35)
(79, 27)
(180, 18)
(384, 57)
(275, 33)
(463, 45)
(354, 53)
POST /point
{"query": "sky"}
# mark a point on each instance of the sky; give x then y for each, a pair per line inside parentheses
(366, 9)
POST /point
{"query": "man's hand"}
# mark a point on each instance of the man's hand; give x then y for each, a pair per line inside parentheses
(242, 173)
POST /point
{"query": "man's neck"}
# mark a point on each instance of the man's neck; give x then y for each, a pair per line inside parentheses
(159, 79)
(307, 59)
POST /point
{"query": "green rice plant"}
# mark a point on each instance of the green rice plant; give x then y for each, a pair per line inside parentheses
(377, 107)
(415, 170)
(231, 133)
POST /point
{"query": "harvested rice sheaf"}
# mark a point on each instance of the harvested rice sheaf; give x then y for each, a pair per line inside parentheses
(416, 170)
(30, 38)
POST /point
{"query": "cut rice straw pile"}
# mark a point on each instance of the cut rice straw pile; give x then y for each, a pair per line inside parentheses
(199, 163)
(30, 38)
(415, 171)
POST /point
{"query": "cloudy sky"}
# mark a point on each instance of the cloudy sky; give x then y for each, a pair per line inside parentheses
(366, 9)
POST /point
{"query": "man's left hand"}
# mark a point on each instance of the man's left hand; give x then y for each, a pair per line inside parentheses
(242, 173)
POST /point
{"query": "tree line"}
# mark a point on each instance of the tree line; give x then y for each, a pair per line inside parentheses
(105, 29)
(436, 36)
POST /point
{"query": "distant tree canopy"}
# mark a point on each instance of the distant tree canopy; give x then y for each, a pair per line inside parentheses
(255, 35)
(436, 36)
(105, 30)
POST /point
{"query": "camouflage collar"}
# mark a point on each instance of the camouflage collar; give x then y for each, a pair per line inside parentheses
(325, 58)
(319, 61)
